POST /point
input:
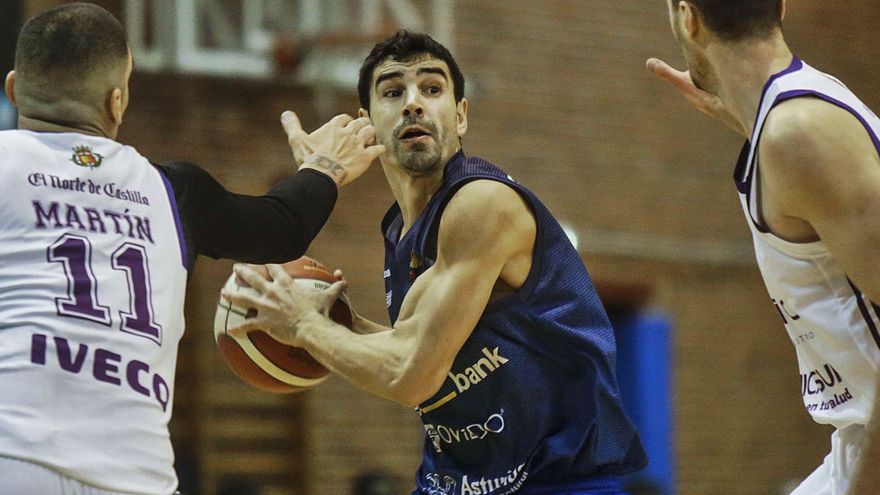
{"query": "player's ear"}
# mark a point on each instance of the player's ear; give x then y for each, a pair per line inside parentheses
(691, 21)
(10, 86)
(116, 106)
(461, 124)
(363, 113)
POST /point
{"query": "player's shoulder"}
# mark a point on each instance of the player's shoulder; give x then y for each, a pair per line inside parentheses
(180, 166)
(803, 131)
(486, 198)
(807, 121)
(15, 143)
(486, 209)
(181, 172)
(5, 140)
(13, 138)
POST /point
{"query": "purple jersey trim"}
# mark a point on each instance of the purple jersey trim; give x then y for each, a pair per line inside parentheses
(741, 163)
(745, 185)
(809, 92)
(742, 174)
(865, 314)
(795, 65)
(534, 275)
(170, 190)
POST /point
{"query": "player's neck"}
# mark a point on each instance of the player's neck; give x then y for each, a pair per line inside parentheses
(743, 70)
(412, 192)
(40, 125)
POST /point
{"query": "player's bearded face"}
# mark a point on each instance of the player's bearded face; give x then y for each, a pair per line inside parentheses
(416, 144)
(699, 67)
(414, 111)
(697, 63)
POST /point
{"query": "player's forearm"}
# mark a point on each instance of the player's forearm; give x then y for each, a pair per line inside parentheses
(364, 326)
(378, 362)
(258, 229)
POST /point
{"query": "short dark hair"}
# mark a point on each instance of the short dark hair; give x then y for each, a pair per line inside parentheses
(406, 46)
(736, 20)
(67, 51)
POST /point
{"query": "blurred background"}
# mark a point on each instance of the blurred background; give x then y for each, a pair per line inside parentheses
(560, 98)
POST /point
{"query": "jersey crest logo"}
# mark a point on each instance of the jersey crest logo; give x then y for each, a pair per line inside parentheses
(84, 157)
(445, 486)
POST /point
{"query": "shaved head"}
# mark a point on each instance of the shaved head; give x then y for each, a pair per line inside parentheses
(69, 59)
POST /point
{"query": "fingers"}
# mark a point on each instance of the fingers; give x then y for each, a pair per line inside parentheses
(336, 290)
(703, 101)
(364, 130)
(357, 124)
(331, 294)
(243, 329)
(654, 64)
(242, 298)
(341, 120)
(239, 280)
(343, 147)
(375, 151)
(337, 274)
(251, 277)
(279, 275)
(366, 134)
(680, 79)
(293, 127)
(291, 124)
(659, 67)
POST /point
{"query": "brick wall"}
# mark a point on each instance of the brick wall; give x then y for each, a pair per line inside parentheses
(560, 98)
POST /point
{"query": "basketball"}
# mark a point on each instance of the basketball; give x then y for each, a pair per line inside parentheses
(262, 361)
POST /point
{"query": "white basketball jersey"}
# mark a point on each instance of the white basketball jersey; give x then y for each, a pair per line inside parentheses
(92, 283)
(833, 326)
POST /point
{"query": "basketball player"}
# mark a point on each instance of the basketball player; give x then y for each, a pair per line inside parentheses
(498, 338)
(95, 248)
(809, 182)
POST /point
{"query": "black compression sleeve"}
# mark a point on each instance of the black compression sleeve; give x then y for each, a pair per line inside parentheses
(273, 228)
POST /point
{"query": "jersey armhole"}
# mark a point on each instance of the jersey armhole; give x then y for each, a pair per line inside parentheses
(427, 243)
(799, 93)
(175, 212)
(759, 222)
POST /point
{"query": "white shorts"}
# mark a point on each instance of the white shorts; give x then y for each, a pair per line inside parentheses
(25, 478)
(837, 471)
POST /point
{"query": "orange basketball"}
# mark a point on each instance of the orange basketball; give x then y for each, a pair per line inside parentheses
(262, 361)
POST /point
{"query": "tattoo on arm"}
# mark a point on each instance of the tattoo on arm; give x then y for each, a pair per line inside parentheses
(325, 163)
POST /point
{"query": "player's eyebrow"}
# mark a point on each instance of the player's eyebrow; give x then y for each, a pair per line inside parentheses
(423, 70)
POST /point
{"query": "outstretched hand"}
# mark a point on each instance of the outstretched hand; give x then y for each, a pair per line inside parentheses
(340, 149)
(705, 102)
(281, 305)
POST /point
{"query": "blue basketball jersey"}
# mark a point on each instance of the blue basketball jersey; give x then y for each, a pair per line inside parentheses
(531, 403)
